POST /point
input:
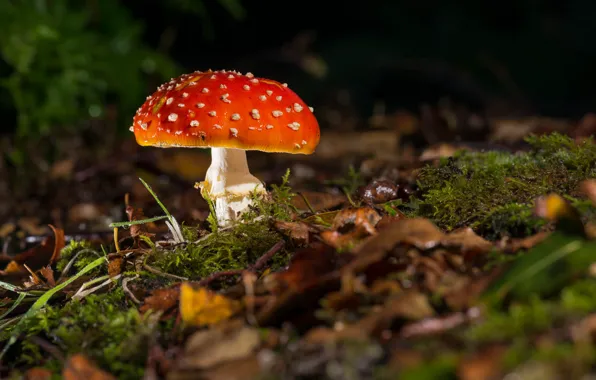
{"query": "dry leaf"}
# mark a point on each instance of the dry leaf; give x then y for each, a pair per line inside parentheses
(207, 348)
(161, 299)
(115, 266)
(317, 201)
(201, 307)
(299, 232)
(38, 373)
(78, 367)
(379, 191)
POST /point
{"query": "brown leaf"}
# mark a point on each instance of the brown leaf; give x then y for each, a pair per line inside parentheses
(38, 373)
(115, 266)
(317, 201)
(299, 232)
(78, 367)
(48, 274)
(411, 305)
(306, 266)
(161, 299)
(350, 225)
(207, 348)
(137, 230)
(466, 241)
(48, 252)
(486, 364)
(418, 232)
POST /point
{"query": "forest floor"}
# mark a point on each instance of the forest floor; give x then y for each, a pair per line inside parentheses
(470, 261)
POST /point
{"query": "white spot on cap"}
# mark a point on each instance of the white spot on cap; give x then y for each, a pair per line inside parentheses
(246, 87)
(298, 107)
(178, 132)
(284, 84)
(269, 92)
(311, 109)
(132, 129)
(252, 128)
(230, 76)
(211, 113)
(295, 126)
(249, 75)
(223, 86)
(224, 98)
(255, 114)
(144, 126)
(169, 101)
(269, 126)
(170, 88)
(185, 94)
(200, 105)
(235, 116)
(276, 113)
(297, 146)
(181, 105)
(194, 123)
(255, 81)
(303, 142)
(234, 132)
(278, 98)
(216, 126)
(205, 90)
(288, 109)
(262, 97)
(173, 117)
(213, 77)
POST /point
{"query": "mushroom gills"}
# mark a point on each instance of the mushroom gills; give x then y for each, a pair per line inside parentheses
(229, 184)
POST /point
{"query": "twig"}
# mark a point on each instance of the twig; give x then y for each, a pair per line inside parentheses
(163, 274)
(48, 347)
(127, 291)
(80, 294)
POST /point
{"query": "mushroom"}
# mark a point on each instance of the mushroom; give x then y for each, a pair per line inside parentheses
(230, 113)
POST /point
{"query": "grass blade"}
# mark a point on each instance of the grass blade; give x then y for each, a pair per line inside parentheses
(41, 301)
(150, 190)
(134, 222)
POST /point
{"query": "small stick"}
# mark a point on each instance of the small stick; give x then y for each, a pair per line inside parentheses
(163, 274)
(128, 291)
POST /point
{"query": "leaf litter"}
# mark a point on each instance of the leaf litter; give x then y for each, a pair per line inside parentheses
(370, 277)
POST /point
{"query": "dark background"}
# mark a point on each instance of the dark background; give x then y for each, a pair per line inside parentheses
(503, 59)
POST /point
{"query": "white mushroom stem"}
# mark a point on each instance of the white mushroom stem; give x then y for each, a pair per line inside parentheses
(229, 184)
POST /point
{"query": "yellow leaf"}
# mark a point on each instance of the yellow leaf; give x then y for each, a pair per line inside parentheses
(202, 307)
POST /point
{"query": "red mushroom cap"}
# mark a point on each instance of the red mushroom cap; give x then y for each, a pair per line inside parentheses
(226, 109)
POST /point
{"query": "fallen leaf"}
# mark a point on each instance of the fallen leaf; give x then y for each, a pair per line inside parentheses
(418, 232)
(48, 252)
(201, 307)
(115, 266)
(38, 373)
(161, 299)
(350, 225)
(48, 274)
(78, 367)
(299, 232)
(485, 364)
(306, 266)
(207, 348)
(466, 241)
(137, 230)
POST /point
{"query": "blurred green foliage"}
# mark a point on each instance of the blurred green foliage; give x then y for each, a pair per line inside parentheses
(67, 61)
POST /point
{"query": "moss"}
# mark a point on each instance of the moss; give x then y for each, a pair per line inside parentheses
(234, 248)
(104, 327)
(84, 255)
(494, 191)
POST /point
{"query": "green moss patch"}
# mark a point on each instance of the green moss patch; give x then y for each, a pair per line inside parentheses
(493, 192)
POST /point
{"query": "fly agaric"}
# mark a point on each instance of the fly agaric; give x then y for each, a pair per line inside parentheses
(230, 113)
